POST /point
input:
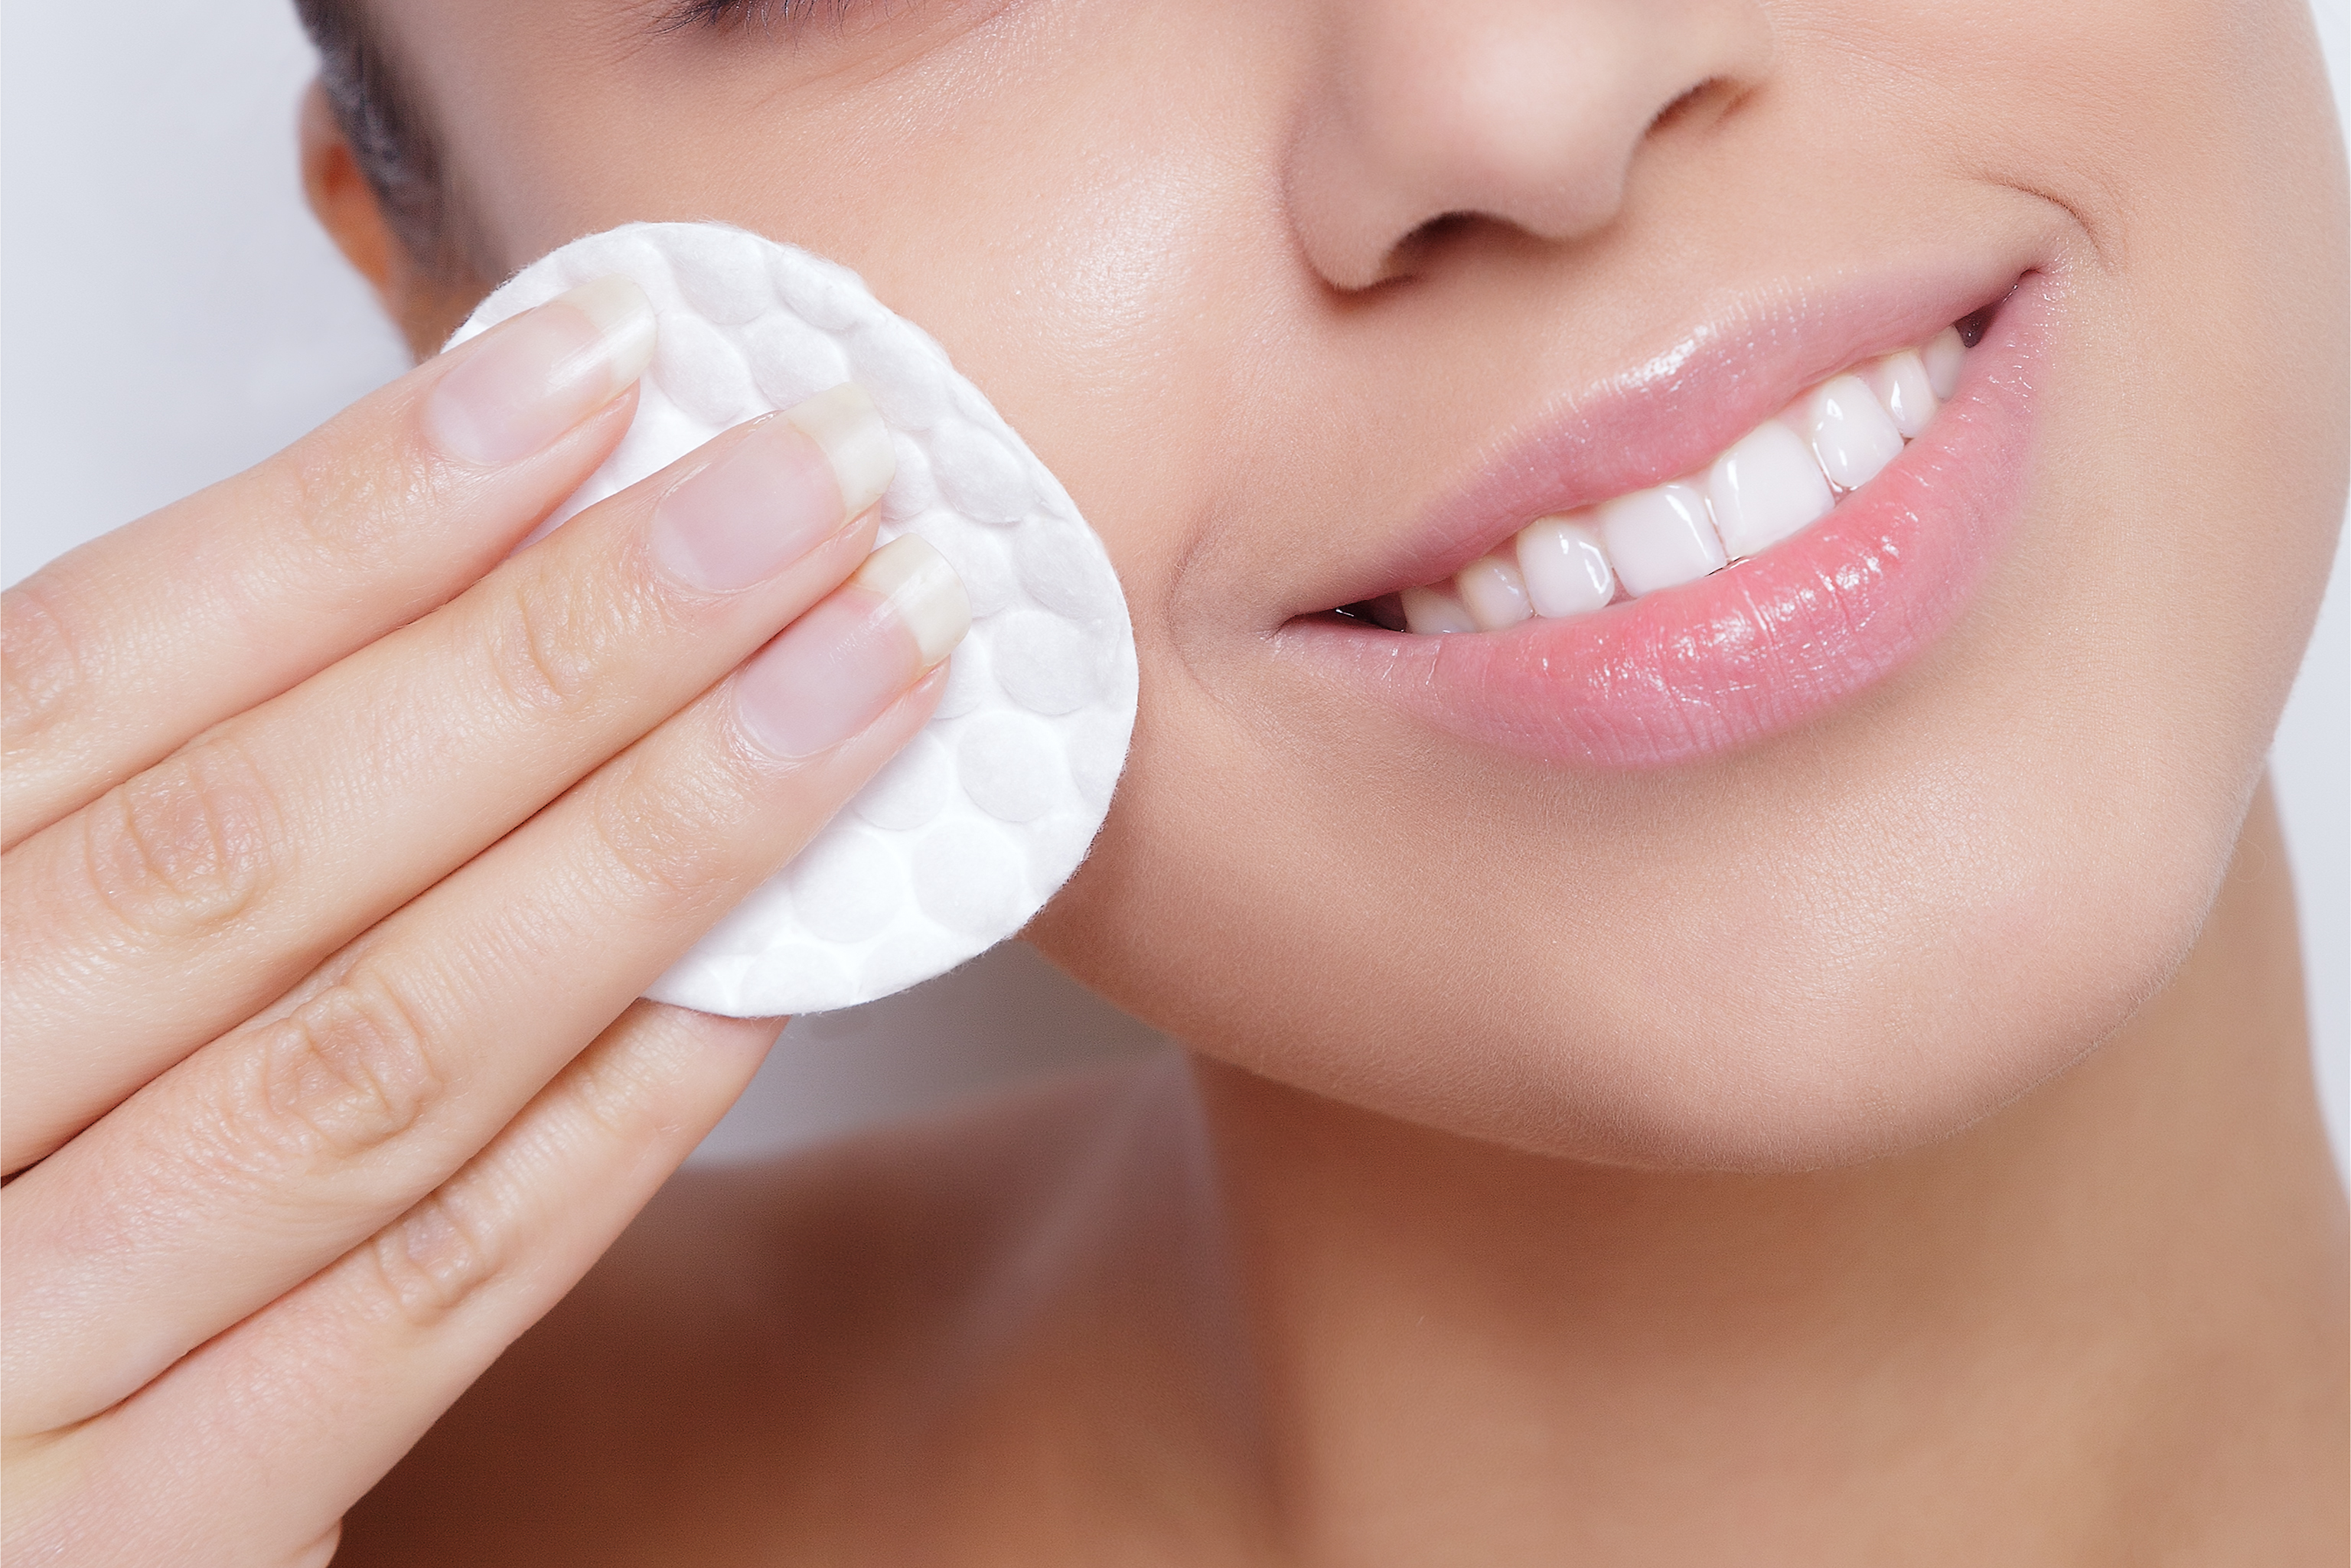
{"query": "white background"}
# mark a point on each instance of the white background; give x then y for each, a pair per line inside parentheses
(169, 313)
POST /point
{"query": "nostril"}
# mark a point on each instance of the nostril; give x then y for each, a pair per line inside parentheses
(1429, 236)
(1440, 227)
(1687, 104)
(1410, 251)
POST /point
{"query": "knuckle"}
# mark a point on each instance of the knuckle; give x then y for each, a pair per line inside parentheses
(425, 1265)
(634, 1097)
(549, 643)
(187, 847)
(40, 658)
(663, 841)
(341, 494)
(345, 1073)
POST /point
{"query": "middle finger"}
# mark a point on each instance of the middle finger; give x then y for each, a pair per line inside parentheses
(187, 898)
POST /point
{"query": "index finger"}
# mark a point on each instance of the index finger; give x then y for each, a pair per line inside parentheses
(121, 651)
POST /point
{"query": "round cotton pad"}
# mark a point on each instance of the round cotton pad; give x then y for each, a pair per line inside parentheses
(968, 833)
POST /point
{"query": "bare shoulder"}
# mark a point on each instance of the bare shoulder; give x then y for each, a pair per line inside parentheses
(747, 1363)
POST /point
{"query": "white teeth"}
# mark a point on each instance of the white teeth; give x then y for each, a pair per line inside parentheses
(1661, 536)
(1782, 475)
(1494, 593)
(1566, 571)
(1900, 382)
(1765, 488)
(1944, 353)
(1431, 611)
(1851, 432)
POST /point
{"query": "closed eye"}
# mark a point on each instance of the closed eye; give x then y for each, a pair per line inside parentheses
(774, 16)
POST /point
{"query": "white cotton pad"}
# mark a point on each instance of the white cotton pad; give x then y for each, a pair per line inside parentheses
(968, 833)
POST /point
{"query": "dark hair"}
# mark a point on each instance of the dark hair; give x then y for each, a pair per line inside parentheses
(387, 134)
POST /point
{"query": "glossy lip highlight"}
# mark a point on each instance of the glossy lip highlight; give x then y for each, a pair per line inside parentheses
(1757, 648)
(1675, 413)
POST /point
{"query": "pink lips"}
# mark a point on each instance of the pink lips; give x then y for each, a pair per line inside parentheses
(1753, 650)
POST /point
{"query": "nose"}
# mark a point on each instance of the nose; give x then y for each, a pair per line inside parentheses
(1527, 113)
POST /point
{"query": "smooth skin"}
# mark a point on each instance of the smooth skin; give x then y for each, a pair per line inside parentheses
(1893, 1143)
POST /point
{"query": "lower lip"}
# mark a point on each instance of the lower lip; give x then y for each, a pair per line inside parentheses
(1758, 649)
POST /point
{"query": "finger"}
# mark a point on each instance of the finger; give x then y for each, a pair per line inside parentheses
(260, 1158)
(303, 1408)
(123, 649)
(187, 898)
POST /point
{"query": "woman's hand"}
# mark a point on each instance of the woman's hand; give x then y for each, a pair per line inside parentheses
(339, 846)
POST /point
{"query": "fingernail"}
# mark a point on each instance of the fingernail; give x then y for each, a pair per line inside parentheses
(922, 591)
(837, 667)
(537, 375)
(845, 423)
(774, 495)
(764, 502)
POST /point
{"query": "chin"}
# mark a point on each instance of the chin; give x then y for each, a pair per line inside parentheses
(1944, 939)
(1889, 1057)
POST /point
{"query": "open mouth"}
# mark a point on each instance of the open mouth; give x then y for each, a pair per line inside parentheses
(1772, 484)
(1659, 622)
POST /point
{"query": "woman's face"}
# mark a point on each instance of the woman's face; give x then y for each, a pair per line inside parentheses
(1310, 302)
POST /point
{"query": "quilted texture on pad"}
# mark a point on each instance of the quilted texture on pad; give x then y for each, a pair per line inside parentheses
(968, 833)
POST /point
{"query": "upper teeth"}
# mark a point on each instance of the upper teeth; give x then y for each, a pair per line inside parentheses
(1784, 474)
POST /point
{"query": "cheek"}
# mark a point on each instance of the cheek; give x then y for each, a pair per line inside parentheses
(1076, 245)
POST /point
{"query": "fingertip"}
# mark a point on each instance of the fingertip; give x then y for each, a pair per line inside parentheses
(537, 375)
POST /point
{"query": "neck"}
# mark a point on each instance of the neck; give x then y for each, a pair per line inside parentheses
(2109, 1316)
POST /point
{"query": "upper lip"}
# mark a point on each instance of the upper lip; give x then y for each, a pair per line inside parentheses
(1748, 355)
